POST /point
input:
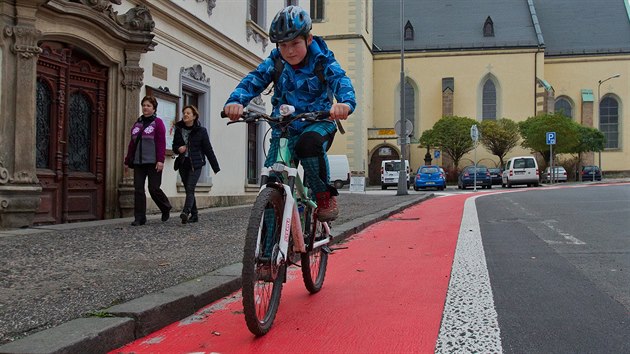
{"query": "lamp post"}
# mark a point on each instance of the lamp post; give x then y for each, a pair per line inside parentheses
(599, 115)
(402, 175)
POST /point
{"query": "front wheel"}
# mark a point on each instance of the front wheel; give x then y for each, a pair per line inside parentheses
(315, 260)
(262, 278)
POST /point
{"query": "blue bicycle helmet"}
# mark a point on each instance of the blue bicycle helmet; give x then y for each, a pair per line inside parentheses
(289, 23)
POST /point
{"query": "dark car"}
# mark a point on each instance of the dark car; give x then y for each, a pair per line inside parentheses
(466, 178)
(430, 176)
(591, 173)
(495, 174)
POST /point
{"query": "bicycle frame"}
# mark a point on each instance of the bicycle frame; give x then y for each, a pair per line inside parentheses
(291, 221)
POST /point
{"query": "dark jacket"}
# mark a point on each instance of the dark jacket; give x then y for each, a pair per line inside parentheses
(199, 146)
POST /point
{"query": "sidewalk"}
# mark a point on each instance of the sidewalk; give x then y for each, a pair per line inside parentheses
(60, 285)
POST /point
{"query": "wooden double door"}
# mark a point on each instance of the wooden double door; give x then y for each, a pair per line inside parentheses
(71, 104)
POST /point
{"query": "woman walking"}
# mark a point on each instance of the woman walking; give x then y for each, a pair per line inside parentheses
(145, 154)
(192, 143)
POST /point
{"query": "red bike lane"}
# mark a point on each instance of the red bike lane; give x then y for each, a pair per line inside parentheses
(385, 292)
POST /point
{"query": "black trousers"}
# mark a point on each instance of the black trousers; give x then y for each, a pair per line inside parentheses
(140, 174)
(189, 180)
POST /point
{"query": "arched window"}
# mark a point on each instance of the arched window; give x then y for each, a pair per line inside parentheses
(489, 100)
(564, 106)
(609, 121)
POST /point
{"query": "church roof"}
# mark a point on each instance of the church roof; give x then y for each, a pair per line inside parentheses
(454, 24)
(561, 27)
(574, 27)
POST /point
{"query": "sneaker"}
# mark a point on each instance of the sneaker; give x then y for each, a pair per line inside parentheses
(327, 209)
(184, 218)
(194, 218)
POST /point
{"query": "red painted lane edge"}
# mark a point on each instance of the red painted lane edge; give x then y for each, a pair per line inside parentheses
(384, 293)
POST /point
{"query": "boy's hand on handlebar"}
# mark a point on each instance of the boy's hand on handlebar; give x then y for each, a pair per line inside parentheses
(339, 111)
(233, 111)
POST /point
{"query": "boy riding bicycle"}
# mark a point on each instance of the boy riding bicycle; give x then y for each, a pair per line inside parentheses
(306, 75)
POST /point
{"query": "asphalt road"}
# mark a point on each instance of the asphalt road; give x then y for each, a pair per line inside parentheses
(559, 265)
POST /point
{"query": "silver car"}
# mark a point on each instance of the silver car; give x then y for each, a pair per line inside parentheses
(560, 175)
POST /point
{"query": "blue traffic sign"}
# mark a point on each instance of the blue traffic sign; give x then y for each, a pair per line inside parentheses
(436, 153)
(551, 138)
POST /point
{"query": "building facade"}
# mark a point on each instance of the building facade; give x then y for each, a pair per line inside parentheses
(74, 72)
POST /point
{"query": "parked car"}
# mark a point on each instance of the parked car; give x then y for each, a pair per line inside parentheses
(339, 170)
(430, 176)
(591, 173)
(495, 174)
(390, 170)
(521, 170)
(466, 178)
(560, 175)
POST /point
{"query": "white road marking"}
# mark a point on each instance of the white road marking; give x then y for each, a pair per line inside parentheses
(469, 321)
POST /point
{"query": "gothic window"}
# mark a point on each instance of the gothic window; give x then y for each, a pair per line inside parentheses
(609, 121)
(44, 100)
(317, 10)
(79, 132)
(489, 100)
(564, 106)
(409, 31)
(488, 28)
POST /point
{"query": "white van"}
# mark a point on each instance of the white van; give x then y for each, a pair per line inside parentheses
(521, 170)
(339, 170)
(390, 170)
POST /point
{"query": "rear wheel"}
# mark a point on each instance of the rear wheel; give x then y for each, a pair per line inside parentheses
(262, 278)
(315, 260)
(338, 184)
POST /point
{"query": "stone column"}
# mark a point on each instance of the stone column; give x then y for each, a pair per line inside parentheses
(132, 75)
(19, 187)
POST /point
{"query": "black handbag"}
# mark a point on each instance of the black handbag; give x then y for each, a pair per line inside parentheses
(178, 162)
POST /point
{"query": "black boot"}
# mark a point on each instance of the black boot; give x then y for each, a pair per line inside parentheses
(194, 218)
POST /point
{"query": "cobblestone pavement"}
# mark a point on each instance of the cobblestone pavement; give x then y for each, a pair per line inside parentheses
(49, 276)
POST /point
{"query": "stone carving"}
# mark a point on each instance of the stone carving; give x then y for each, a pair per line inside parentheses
(251, 33)
(4, 175)
(211, 5)
(136, 19)
(25, 40)
(132, 77)
(4, 204)
(195, 72)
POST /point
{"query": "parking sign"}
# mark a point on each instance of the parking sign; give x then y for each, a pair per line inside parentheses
(551, 138)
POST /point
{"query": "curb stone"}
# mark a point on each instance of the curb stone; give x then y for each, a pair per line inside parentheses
(144, 315)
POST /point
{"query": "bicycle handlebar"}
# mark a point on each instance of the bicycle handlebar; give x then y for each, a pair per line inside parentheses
(250, 117)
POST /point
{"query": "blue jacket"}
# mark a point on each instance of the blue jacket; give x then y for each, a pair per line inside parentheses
(300, 87)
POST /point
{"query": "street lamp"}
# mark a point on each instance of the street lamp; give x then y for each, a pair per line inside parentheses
(599, 113)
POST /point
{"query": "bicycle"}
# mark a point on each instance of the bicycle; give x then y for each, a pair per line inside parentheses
(283, 226)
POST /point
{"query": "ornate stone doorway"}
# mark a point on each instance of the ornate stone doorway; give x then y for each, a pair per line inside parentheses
(70, 149)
